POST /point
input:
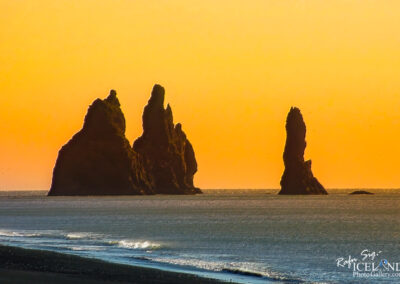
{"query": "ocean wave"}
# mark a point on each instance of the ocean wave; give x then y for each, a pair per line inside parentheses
(239, 268)
(76, 239)
(242, 272)
(8, 233)
(87, 248)
(82, 235)
(269, 276)
(49, 235)
(197, 263)
(131, 244)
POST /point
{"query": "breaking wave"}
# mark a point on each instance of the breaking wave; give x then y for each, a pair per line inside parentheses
(131, 244)
(83, 235)
(8, 233)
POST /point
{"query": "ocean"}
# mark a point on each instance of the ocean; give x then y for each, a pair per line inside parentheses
(247, 236)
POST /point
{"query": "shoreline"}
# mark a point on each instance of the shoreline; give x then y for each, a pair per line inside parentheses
(20, 265)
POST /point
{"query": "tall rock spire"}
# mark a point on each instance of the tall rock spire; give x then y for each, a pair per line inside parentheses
(297, 177)
(167, 154)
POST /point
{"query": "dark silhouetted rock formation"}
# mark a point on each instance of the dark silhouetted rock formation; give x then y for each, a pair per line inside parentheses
(99, 160)
(360, 192)
(297, 177)
(167, 154)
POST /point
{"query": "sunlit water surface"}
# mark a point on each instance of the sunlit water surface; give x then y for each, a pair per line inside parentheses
(248, 236)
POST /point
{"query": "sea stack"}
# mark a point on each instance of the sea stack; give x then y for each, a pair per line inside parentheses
(99, 160)
(360, 192)
(167, 154)
(297, 177)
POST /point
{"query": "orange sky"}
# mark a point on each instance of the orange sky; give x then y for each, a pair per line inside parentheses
(231, 70)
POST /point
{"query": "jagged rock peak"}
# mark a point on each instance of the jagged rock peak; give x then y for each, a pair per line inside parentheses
(297, 177)
(105, 117)
(168, 155)
(112, 98)
(157, 96)
(178, 128)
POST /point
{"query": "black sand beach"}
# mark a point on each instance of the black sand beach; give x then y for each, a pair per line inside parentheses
(18, 265)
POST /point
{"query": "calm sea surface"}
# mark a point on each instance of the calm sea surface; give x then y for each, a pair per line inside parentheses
(249, 236)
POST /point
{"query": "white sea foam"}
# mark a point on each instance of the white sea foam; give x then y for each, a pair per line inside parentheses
(8, 233)
(207, 265)
(83, 235)
(218, 266)
(87, 248)
(131, 244)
